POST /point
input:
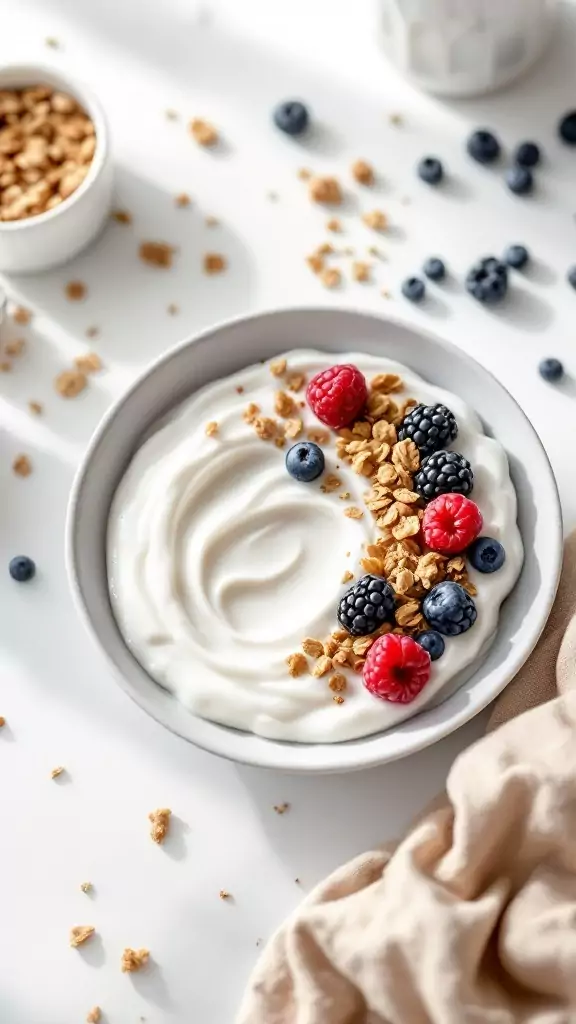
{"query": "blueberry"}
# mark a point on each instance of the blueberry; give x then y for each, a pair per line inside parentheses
(527, 154)
(430, 170)
(551, 370)
(483, 146)
(434, 268)
(487, 280)
(520, 180)
(516, 256)
(432, 642)
(567, 128)
(486, 554)
(291, 117)
(305, 461)
(414, 289)
(449, 609)
(21, 568)
(571, 275)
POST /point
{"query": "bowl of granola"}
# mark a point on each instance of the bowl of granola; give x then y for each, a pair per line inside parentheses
(55, 168)
(315, 540)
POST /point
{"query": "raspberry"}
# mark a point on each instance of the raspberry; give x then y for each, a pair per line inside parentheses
(396, 668)
(451, 522)
(337, 395)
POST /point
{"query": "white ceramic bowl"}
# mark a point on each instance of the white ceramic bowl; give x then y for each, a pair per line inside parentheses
(38, 243)
(230, 347)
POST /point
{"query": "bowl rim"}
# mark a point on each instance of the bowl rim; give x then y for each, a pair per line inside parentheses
(92, 105)
(362, 759)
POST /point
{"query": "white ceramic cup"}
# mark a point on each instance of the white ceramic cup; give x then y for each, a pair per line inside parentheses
(48, 239)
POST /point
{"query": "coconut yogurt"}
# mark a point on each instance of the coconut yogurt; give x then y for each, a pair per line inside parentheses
(220, 563)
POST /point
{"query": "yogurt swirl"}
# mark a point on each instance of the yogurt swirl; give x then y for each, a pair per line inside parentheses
(220, 563)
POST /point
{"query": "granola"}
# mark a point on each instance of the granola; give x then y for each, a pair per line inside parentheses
(363, 172)
(134, 959)
(325, 190)
(160, 823)
(80, 933)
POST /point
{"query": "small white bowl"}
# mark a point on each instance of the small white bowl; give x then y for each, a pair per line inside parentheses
(51, 238)
(230, 347)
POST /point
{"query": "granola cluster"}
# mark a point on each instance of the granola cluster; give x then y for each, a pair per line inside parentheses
(287, 424)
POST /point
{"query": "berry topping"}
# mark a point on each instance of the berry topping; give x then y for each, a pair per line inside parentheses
(516, 256)
(486, 554)
(567, 128)
(291, 117)
(450, 524)
(434, 268)
(337, 395)
(432, 642)
(366, 605)
(520, 180)
(571, 276)
(305, 461)
(551, 370)
(483, 146)
(527, 154)
(413, 289)
(449, 609)
(444, 473)
(430, 170)
(396, 669)
(487, 280)
(21, 568)
(430, 427)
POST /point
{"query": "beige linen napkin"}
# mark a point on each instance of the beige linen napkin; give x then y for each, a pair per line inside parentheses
(472, 918)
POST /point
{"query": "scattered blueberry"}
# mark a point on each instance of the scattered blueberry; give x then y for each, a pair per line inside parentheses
(305, 461)
(291, 117)
(572, 276)
(551, 370)
(430, 170)
(486, 554)
(567, 128)
(434, 268)
(432, 642)
(444, 473)
(487, 280)
(520, 180)
(21, 568)
(431, 427)
(527, 154)
(414, 289)
(449, 609)
(516, 256)
(483, 146)
(366, 605)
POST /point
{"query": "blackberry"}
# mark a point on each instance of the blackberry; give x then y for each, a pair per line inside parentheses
(444, 473)
(430, 427)
(366, 605)
(449, 609)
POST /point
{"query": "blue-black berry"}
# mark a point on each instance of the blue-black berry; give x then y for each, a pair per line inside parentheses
(551, 370)
(527, 154)
(434, 268)
(366, 606)
(291, 117)
(483, 146)
(571, 276)
(432, 642)
(414, 289)
(430, 170)
(486, 554)
(21, 568)
(567, 128)
(487, 280)
(516, 256)
(444, 473)
(430, 427)
(305, 461)
(449, 609)
(520, 180)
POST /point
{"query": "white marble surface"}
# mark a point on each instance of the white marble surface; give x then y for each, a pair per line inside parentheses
(228, 62)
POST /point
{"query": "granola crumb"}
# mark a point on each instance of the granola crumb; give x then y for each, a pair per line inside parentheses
(315, 262)
(386, 293)
(297, 664)
(397, 120)
(80, 933)
(344, 496)
(318, 435)
(15, 348)
(250, 413)
(52, 43)
(312, 647)
(121, 216)
(5, 366)
(325, 190)
(21, 315)
(211, 222)
(338, 699)
(133, 959)
(331, 483)
(160, 823)
(363, 172)
(265, 427)
(280, 442)
(375, 219)
(284, 405)
(70, 383)
(92, 332)
(211, 429)
(334, 224)
(293, 428)
(281, 808)
(347, 576)
(94, 1016)
(156, 254)
(214, 263)
(182, 199)
(331, 277)
(278, 367)
(56, 772)
(86, 887)
(304, 174)
(172, 309)
(361, 271)
(295, 381)
(171, 114)
(36, 408)
(239, 390)
(75, 291)
(224, 894)
(337, 682)
(322, 666)
(2, 721)
(203, 132)
(373, 250)
(22, 465)
(353, 512)
(88, 363)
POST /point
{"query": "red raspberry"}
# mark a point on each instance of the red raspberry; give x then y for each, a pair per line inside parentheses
(396, 668)
(451, 522)
(337, 395)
